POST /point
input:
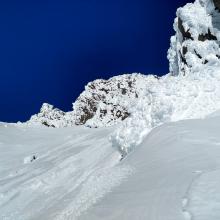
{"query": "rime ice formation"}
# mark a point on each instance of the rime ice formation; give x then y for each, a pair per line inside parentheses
(196, 42)
(52, 117)
(103, 103)
(106, 102)
(142, 102)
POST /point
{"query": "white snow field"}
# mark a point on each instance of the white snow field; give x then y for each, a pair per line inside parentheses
(176, 176)
(75, 173)
(50, 174)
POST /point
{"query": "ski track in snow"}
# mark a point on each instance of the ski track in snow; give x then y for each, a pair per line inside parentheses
(204, 196)
(186, 200)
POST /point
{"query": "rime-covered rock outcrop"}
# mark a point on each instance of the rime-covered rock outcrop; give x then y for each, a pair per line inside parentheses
(196, 43)
(102, 103)
(52, 117)
(106, 102)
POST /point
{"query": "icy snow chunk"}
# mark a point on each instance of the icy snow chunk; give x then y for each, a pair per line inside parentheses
(30, 159)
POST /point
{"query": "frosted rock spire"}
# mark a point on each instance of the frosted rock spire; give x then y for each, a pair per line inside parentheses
(196, 42)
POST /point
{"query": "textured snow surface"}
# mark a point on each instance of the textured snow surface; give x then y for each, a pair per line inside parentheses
(174, 174)
(55, 174)
(204, 195)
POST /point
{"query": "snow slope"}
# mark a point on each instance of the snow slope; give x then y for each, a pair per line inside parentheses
(51, 174)
(77, 174)
(204, 196)
(175, 177)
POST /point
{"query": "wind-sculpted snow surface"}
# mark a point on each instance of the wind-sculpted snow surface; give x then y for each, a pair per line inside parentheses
(204, 197)
(55, 174)
(76, 174)
(176, 176)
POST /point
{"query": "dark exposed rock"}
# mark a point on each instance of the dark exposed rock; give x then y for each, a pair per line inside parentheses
(184, 50)
(125, 115)
(217, 4)
(207, 36)
(183, 59)
(33, 158)
(185, 33)
(124, 91)
(45, 124)
(198, 55)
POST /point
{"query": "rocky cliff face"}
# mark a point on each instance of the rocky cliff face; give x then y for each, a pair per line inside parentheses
(196, 42)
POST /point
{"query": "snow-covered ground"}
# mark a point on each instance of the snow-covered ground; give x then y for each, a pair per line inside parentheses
(49, 174)
(176, 176)
(75, 173)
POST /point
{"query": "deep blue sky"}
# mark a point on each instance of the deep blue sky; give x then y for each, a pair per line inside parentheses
(50, 49)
